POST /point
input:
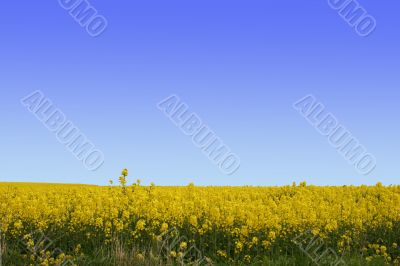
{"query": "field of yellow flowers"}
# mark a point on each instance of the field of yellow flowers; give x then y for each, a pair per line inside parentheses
(130, 224)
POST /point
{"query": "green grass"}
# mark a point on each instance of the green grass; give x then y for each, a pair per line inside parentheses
(116, 255)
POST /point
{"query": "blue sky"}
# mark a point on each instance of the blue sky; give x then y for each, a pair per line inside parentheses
(239, 65)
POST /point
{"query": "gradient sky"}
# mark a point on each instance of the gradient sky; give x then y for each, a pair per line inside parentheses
(240, 65)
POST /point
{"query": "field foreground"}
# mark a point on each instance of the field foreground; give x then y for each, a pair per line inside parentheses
(48, 224)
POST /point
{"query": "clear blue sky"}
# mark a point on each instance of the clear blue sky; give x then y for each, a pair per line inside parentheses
(239, 65)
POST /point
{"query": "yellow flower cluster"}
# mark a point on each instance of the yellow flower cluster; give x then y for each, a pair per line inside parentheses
(227, 222)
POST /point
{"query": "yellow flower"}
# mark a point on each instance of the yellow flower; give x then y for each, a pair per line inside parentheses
(124, 172)
(193, 220)
(222, 253)
(228, 222)
(140, 225)
(164, 227)
(183, 246)
(238, 246)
